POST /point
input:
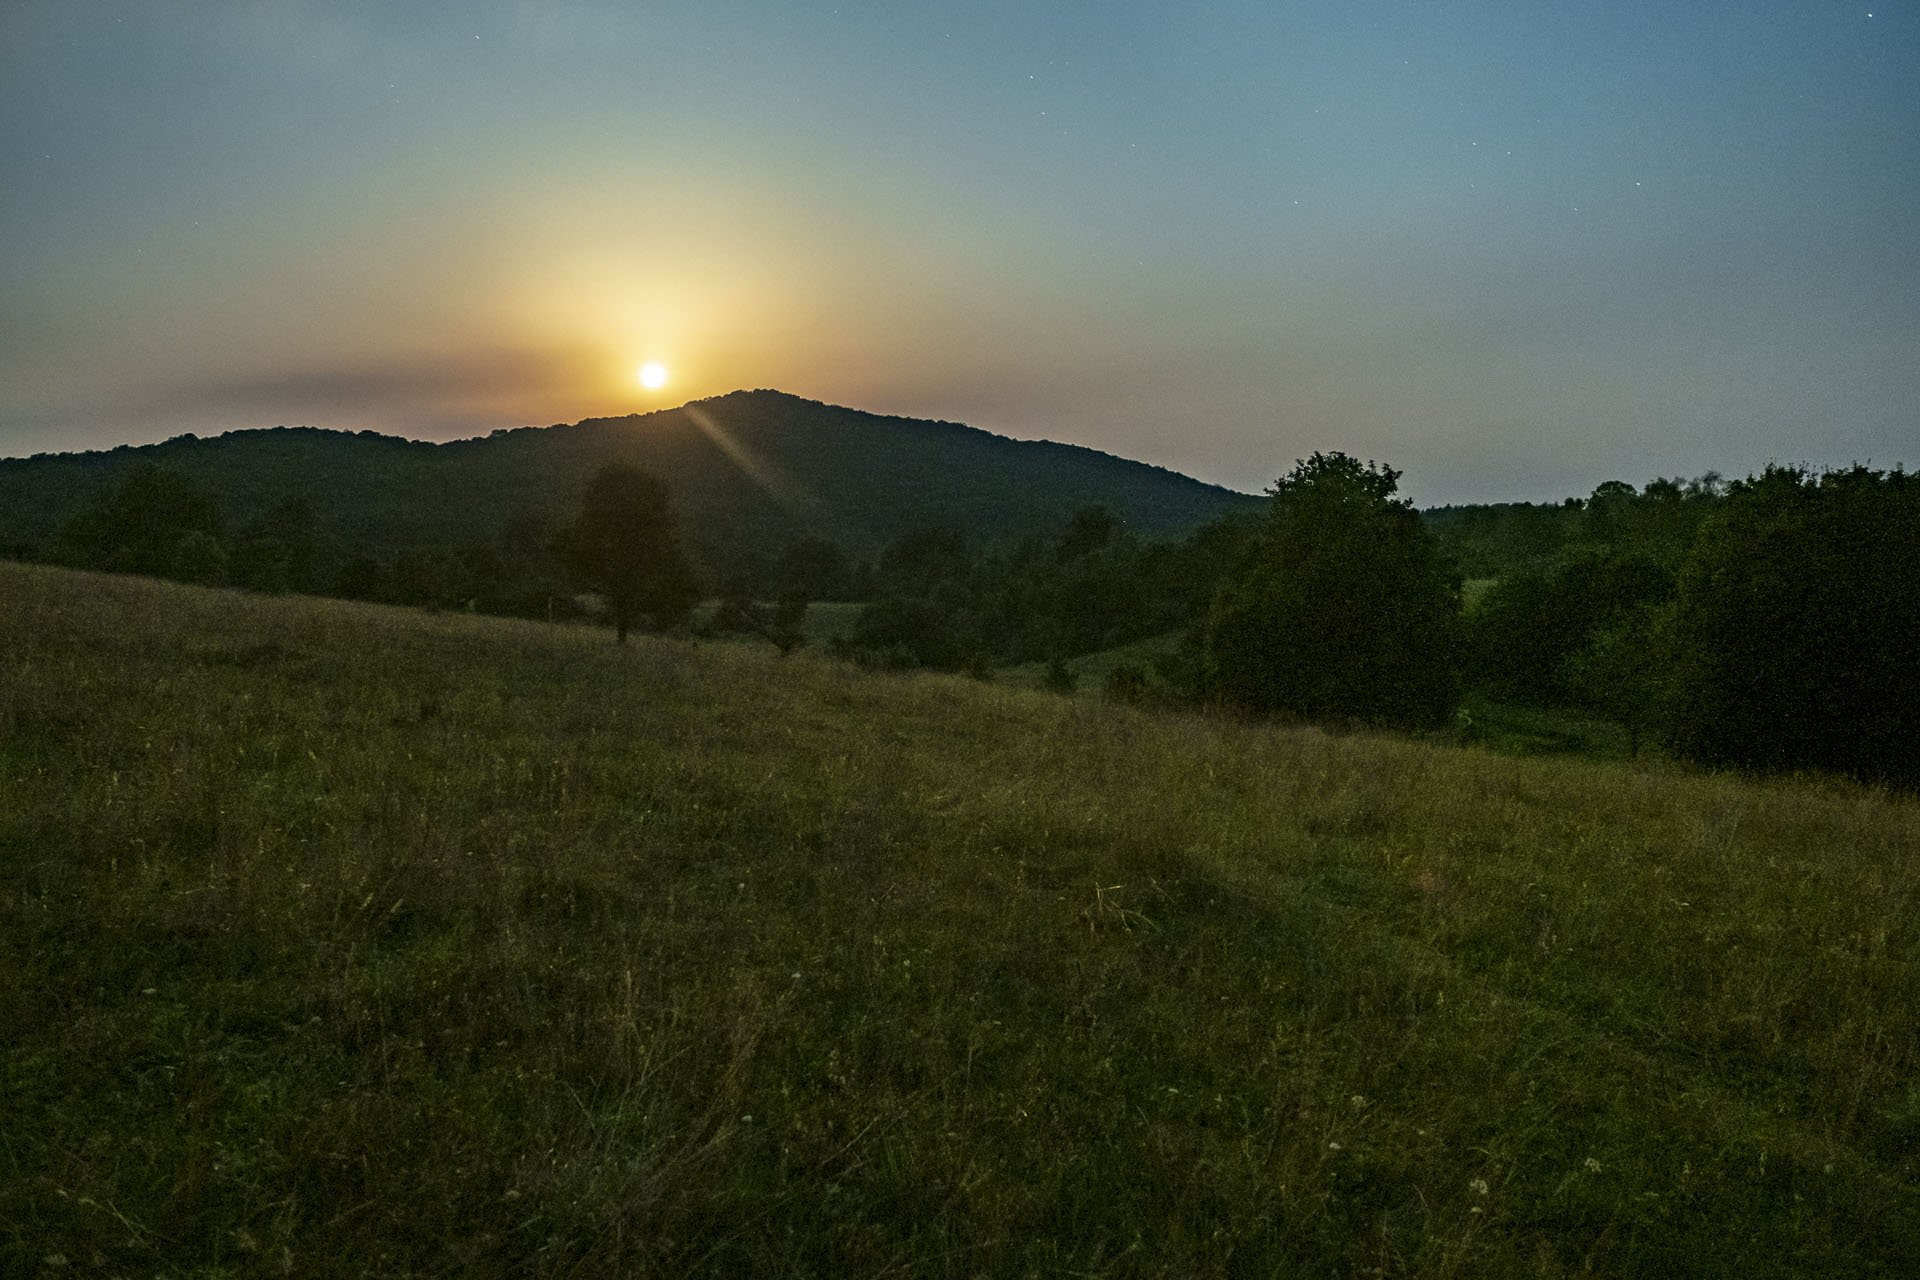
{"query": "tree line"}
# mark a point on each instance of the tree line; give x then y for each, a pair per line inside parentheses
(162, 522)
(1772, 622)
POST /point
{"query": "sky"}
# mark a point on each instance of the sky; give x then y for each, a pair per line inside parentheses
(1510, 249)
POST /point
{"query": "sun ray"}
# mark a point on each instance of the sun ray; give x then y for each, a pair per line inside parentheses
(789, 494)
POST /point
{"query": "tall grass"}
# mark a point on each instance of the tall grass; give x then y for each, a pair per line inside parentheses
(337, 939)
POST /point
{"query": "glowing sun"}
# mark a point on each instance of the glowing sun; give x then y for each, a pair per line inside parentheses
(653, 375)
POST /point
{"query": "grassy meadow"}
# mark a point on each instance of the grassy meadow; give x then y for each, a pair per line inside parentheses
(338, 939)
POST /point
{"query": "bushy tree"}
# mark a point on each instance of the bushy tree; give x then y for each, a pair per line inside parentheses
(1796, 627)
(624, 546)
(928, 612)
(917, 631)
(1345, 609)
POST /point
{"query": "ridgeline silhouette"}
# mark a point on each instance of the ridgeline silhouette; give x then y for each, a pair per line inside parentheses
(751, 473)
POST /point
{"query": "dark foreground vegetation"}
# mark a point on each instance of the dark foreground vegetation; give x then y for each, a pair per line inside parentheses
(337, 939)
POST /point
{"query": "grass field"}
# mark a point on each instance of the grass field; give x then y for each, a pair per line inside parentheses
(344, 940)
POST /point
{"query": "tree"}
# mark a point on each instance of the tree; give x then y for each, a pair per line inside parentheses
(927, 613)
(935, 631)
(623, 546)
(1345, 608)
(1796, 625)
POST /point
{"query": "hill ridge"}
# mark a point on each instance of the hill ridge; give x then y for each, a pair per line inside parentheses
(861, 479)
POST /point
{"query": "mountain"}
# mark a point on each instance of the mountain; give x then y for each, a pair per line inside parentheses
(750, 472)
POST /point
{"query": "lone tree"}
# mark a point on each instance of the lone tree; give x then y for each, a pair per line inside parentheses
(623, 546)
(1345, 607)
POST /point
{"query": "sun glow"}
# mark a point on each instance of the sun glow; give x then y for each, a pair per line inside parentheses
(653, 375)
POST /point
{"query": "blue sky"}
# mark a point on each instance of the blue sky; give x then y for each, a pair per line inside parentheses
(1513, 250)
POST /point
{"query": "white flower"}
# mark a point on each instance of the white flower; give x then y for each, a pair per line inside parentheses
(1478, 1186)
(1593, 1166)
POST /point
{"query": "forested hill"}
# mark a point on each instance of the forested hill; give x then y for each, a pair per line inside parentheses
(750, 472)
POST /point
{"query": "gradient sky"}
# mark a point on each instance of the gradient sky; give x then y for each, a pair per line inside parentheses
(1513, 249)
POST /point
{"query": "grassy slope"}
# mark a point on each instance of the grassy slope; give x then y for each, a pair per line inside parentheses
(339, 939)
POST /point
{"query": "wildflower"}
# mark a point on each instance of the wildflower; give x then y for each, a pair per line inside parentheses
(1593, 1166)
(1478, 1186)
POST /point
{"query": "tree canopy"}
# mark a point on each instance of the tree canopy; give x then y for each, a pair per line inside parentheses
(624, 546)
(1345, 608)
(1796, 627)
